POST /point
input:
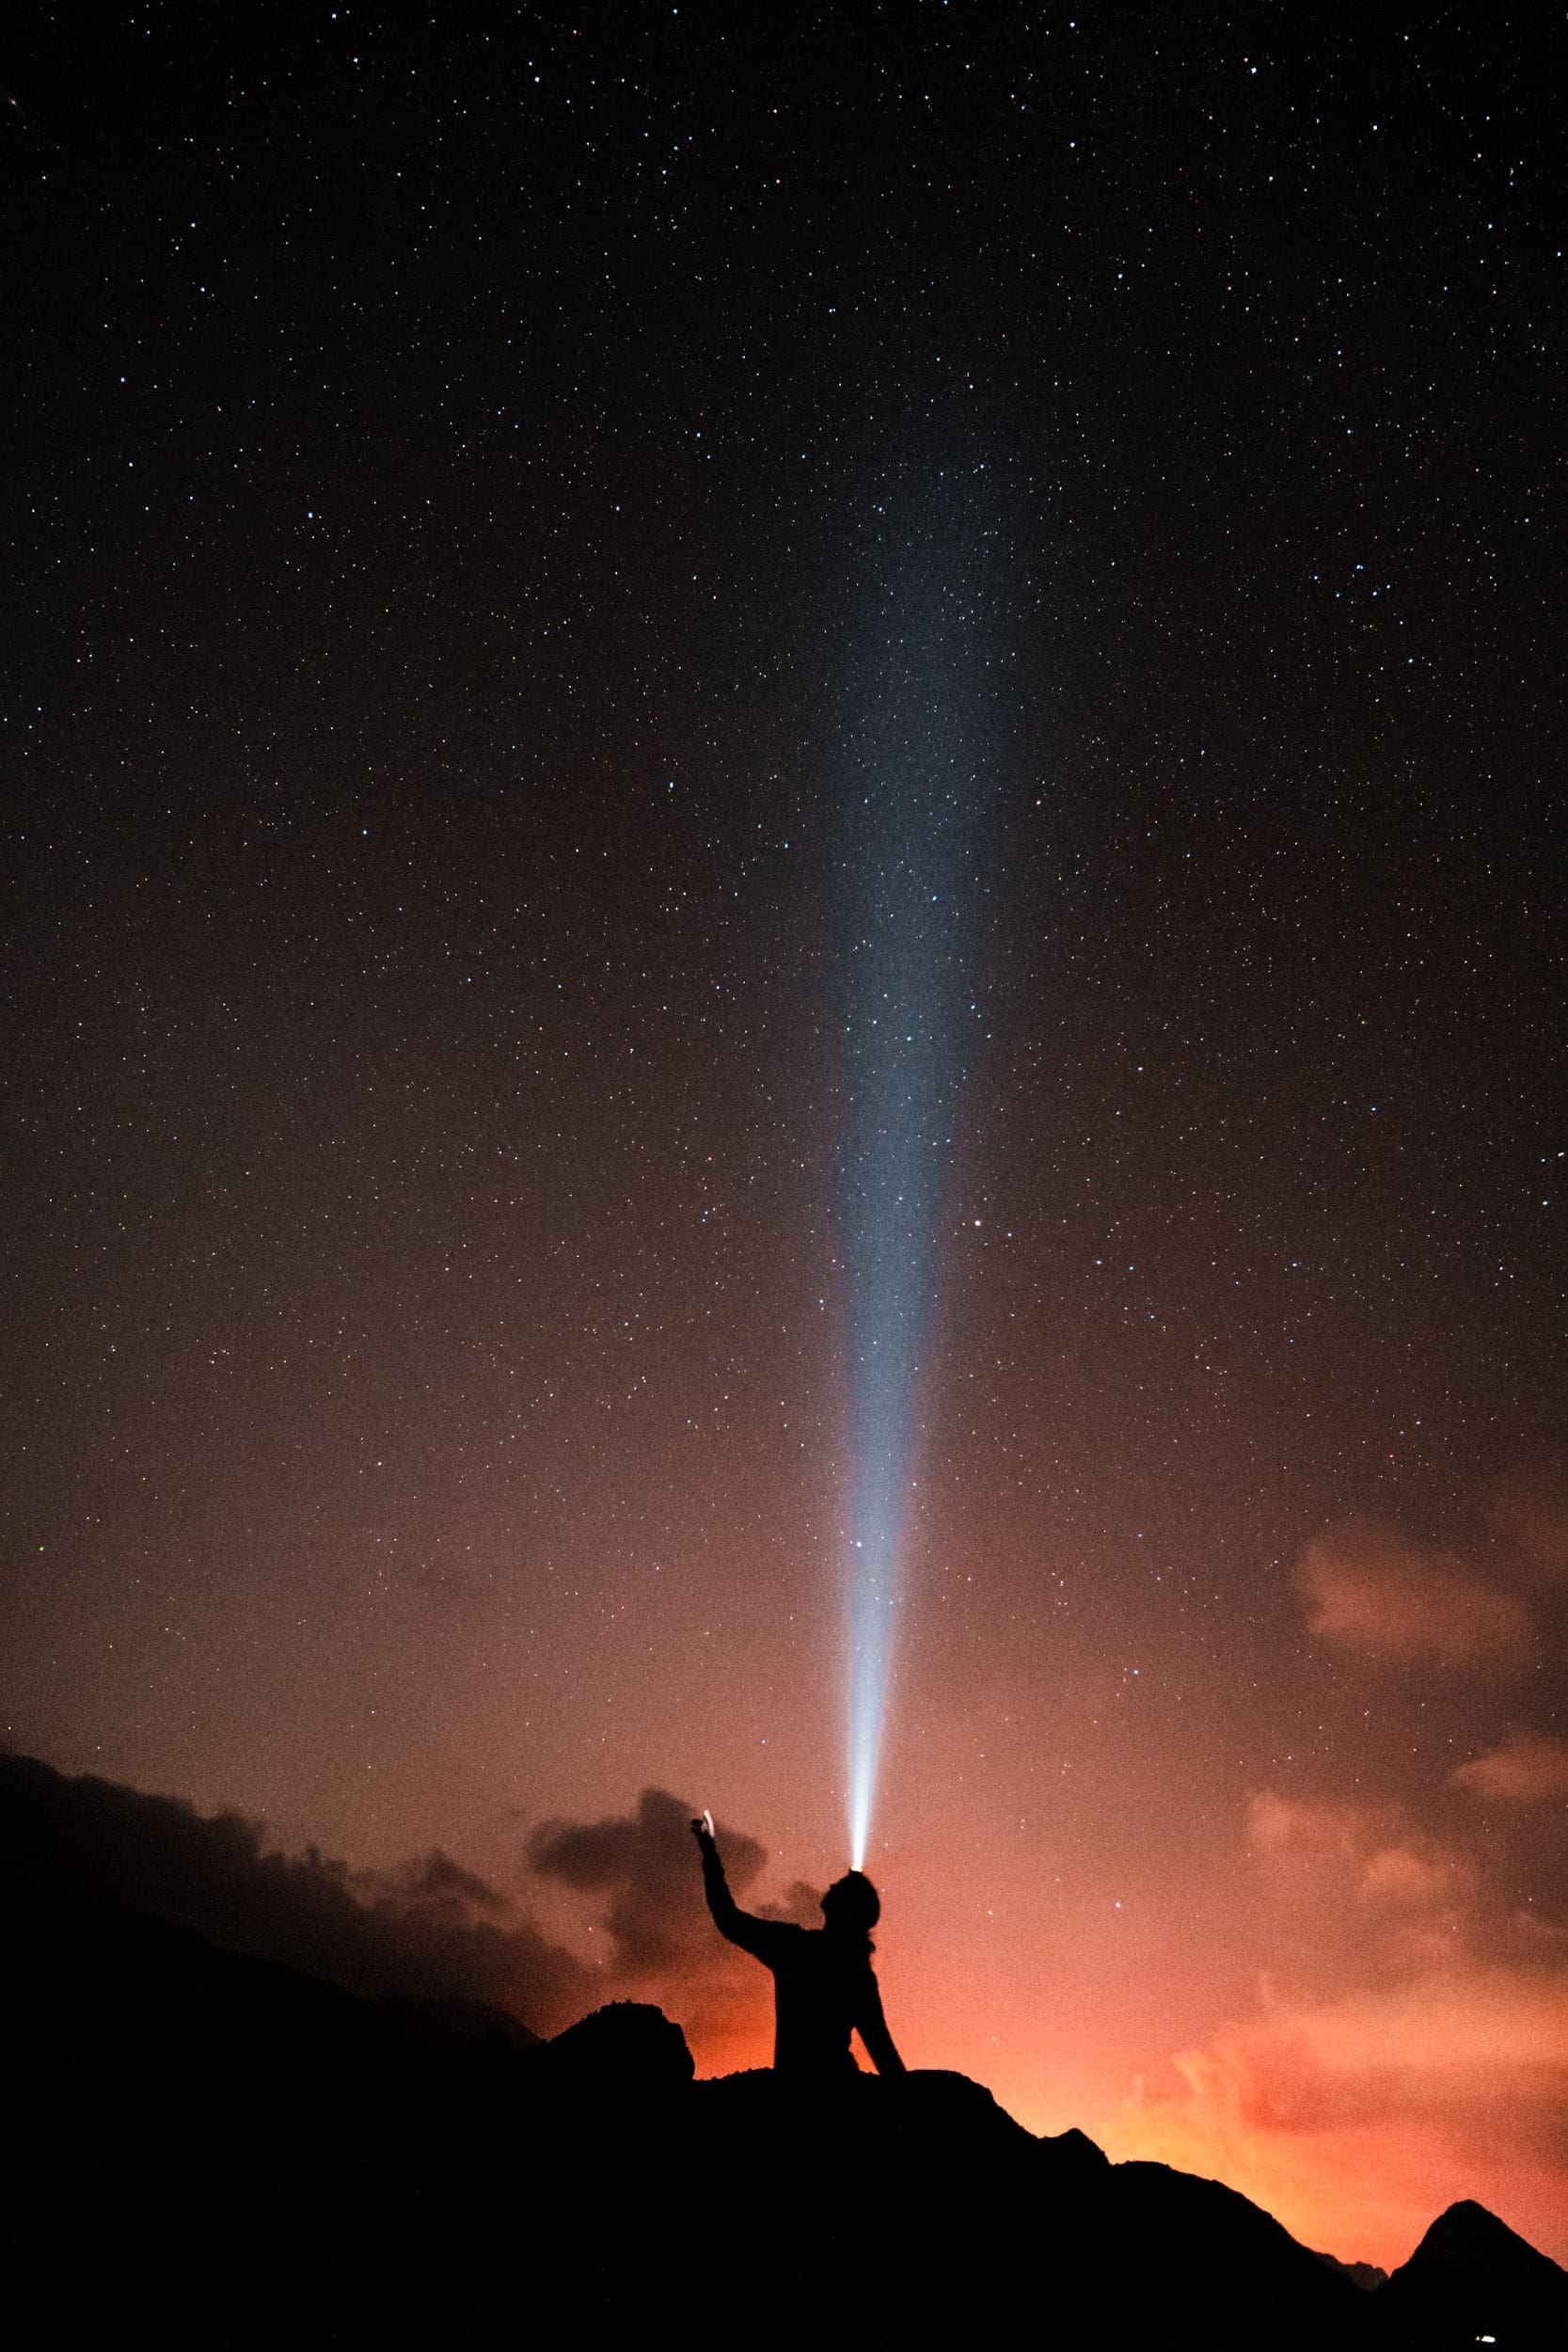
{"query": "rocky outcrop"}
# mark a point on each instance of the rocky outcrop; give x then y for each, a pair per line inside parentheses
(223, 2151)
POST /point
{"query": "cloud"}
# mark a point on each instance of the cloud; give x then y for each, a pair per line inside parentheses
(1409, 2047)
(1279, 1825)
(1357, 2118)
(430, 1929)
(1407, 2042)
(1412, 1879)
(1482, 2050)
(1524, 1768)
(1361, 1853)
(646, 1865)
(1368, 1589)
(644, 1869)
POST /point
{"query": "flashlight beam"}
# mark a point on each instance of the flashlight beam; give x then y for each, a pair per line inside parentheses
(919, 777)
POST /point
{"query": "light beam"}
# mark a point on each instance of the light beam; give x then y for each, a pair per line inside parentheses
(920, 738)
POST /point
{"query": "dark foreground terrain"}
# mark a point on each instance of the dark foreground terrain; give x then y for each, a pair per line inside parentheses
(212, 2149)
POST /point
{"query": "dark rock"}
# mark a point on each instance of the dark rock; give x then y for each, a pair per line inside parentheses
(224, 2151)
(626, 2050)
(1363, 2275)
(1075, 2151)
(454, 2025)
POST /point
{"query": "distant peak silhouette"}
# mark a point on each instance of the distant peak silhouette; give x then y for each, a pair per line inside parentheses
(824, 1987)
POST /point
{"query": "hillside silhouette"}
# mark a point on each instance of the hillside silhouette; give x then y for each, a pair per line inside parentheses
(221, 2149)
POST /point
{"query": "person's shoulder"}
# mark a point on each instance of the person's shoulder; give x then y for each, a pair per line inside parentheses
(784, 1936)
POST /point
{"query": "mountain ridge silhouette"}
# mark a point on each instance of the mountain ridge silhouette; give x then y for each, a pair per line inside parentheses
(242, 2152)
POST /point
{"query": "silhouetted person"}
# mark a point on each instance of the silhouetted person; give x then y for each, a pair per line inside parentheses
(823, 1985)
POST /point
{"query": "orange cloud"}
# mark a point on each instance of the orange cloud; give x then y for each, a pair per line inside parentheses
(1399, 1874)
(1357, 2119)
(1365, 1851)
(1411, 2049)
(1314, 1827)
(1527, 1768)
(1368, 1589)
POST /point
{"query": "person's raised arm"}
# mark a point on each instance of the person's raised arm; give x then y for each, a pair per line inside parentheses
(737, 1926)
(879, 2046)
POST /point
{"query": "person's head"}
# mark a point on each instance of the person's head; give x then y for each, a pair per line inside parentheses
(852, 1905)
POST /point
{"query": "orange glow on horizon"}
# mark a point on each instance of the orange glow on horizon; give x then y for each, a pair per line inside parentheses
(1364, 2194)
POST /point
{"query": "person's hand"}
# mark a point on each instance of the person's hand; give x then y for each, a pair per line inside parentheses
(703, 1836)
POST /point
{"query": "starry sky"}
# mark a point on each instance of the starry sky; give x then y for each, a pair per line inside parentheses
(476, 493)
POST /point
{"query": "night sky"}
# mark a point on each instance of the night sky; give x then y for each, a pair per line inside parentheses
(507, 531)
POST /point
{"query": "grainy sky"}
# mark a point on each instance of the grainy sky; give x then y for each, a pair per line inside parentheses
(463, 486)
